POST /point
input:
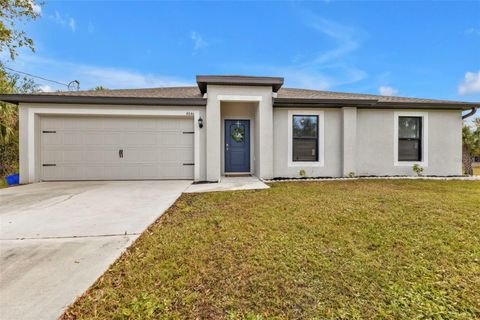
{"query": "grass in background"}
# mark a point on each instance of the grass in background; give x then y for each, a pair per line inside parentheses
(383, 249)
(3, 183)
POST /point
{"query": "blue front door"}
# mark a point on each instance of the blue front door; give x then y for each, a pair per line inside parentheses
(237, 146)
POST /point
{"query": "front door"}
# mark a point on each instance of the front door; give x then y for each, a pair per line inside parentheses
(237, 146)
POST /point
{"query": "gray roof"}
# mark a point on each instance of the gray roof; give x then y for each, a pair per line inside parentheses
(192, 96)
(275, 82)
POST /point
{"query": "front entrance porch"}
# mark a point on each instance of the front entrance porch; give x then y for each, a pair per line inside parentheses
(239, 138)
(239, 132)
(229, 184)
(237, 146)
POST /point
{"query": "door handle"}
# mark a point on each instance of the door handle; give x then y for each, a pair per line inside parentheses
(226, 146)
(120, 153)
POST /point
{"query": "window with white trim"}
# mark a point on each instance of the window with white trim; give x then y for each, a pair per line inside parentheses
(305, 138)
(410, 138)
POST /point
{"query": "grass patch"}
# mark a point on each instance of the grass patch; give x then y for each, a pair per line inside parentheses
(3, 183)
(389, 249)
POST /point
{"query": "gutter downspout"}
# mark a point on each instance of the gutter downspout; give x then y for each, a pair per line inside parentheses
(471, 113)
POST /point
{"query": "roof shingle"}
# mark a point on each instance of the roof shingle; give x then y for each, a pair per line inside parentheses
(284, 96)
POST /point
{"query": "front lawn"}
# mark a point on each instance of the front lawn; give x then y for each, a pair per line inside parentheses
(368, 249)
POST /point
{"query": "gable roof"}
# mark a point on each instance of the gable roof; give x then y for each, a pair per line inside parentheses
(192, 96)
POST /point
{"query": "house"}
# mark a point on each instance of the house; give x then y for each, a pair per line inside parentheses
(233, 125)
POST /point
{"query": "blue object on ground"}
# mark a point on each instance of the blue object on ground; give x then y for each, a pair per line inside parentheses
(13, 179)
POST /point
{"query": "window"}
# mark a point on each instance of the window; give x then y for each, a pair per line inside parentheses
(409, 138)
(305, 138)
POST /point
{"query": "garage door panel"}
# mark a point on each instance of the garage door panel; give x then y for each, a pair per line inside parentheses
(113, 138)
(87, 148)
(143, 138)
(72, 138)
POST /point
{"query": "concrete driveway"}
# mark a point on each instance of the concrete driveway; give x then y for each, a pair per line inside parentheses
(57, 238)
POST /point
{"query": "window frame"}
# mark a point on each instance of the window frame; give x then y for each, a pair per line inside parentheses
(320, 138)
(423, 138)
(305, 138)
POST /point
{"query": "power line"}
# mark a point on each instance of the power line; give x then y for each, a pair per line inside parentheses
(68, 85)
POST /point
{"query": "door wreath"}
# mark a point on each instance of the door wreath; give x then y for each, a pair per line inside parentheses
(238, 134)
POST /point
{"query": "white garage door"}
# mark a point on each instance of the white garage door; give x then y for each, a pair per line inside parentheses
(116, 148)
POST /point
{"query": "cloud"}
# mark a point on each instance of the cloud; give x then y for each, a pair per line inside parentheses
(198, 41)
(387, 91)
(91, 27)
(91, 76)
(347, 38)
(473, 31)
(72, 24)
(470, 84)
(120, 78)
(64, 20)
(329, 67)
(45, 88)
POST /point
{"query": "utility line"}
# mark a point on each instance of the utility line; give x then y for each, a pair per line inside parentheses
(74, 82)
(34, 76)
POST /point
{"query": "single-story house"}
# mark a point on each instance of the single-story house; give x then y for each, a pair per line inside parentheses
(230, 125)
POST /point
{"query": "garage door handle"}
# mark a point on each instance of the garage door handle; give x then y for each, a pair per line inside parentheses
(120, 153)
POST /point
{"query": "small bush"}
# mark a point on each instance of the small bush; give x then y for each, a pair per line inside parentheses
(418, 169)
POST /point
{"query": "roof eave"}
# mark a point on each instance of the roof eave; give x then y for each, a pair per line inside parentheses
(32, 98)
(313, 103)
(426, 105)
(370, 104)
(274, 82)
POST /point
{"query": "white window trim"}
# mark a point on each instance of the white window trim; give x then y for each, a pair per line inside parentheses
(424, 116)
(321, 139)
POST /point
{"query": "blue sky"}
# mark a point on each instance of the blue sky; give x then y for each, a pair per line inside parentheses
(419, 49)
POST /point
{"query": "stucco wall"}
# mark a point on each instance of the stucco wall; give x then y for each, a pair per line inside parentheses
(32, 113)
(217, 95)
(239, 111)
(375, 143)
(373, 140)
(332, 140)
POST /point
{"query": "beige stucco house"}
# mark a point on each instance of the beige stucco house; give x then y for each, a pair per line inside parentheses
(233, 125)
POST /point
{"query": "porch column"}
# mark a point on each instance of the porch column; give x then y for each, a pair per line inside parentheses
(213, 133)
(349, 139)
(265, 137)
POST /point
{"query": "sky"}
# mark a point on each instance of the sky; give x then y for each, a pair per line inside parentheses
(417, 49)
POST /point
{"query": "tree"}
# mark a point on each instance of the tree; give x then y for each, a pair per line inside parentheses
(9, 120)
(100, 88)
(471, 145)
(13, 12)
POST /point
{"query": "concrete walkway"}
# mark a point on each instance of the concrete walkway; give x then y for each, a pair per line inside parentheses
(57, 238)
(229, 184)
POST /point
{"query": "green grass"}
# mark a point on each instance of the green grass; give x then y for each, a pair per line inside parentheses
(384, 249)
(3, 183)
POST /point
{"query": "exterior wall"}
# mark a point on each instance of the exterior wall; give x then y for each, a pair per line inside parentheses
(349, 140)
(30, 130)
(362, 141)
(375, 143)
(332, 166)
(354, 140)
(263, 138)
(239, 111)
